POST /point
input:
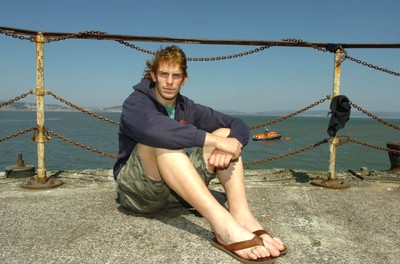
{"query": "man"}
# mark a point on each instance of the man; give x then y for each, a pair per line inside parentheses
(154, 172)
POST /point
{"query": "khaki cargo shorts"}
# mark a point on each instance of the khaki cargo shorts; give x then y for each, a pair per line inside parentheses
(137, 193)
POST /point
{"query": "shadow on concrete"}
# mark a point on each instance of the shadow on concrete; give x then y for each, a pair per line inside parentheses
(175, 217)
(300, 177)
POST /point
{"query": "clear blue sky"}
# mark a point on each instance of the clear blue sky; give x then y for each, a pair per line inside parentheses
(96, 73)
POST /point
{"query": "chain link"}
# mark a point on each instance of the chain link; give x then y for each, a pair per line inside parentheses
(81, 109)
(290, 115)
(370, 65)
(373, 146)
(15, 99)
(17, 134)
(132, 46)
(374, 116)
(14, 35)
(227, 57)
(345, 56)
(250, 163)
(80, 145)
(294, 40)
(79, 34)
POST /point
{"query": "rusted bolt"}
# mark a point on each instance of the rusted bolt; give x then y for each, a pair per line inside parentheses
(20, 161)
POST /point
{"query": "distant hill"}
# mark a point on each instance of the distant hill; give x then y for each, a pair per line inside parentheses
(117, 108)
(21, 106)
(316, 113)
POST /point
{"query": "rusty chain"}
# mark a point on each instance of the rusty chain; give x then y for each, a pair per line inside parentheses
(81, 109)
(132, 46)
(79, 34)
(290, 115)
(80, 145)
(344, 56)
(348, 139)
(17, 134)
(359, 142)
(15, 99)
(227, 57)
(363, 63)
(250, 163)
(294, 40)
(94, 32)
(17, 36)
(374, 116)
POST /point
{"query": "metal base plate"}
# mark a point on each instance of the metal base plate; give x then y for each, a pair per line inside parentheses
(20, 172)
(331, 183)
(38, 184)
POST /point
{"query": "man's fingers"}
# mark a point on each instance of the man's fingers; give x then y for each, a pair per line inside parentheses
(220, 159)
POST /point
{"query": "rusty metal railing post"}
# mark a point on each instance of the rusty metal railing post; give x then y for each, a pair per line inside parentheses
(40, 139)
(40, 181)
(332, 182)
(335, 92)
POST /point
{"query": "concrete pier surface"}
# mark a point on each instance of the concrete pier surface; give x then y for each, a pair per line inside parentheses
(80, 221)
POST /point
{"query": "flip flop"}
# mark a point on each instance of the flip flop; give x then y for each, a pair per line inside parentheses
(264, 232)
(229, 249)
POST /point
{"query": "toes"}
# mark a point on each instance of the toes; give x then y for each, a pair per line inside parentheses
(256, 253)
(279, 244)
(263, 252)
(272, 245)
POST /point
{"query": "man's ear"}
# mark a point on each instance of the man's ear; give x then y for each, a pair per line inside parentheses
(153, 76)
(185, 80)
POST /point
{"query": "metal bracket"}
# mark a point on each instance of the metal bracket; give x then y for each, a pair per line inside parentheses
(36, 183)
(331, 183)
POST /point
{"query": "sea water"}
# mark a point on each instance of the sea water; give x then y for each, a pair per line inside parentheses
(297, 133)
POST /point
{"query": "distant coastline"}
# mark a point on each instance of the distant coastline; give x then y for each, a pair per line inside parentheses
(31, 107)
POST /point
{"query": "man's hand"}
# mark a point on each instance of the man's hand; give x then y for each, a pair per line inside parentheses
(220, 159)
(229, 145)
(226, 150)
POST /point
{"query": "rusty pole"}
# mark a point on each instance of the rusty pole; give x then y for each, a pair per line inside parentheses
(40, 139)
(40, 181)
(336, 91)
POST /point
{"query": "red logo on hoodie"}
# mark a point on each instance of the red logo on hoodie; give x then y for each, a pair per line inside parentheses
(182, 122)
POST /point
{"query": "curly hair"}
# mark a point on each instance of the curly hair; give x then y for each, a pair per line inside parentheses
(172, 54)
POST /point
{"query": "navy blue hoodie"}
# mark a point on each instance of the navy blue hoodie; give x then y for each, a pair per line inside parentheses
(144, 120)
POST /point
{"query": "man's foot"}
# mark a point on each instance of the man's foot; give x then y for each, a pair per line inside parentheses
(233, 248)
(251, 250)
(273, 244)
(262, 232)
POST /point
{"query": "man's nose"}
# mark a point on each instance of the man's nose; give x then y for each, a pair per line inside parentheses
(170, 79)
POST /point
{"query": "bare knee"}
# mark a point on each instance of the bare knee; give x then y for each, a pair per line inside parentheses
(148, 160)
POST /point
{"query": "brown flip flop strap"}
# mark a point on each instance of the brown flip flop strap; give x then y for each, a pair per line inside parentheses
(256, 241)
(261, 232)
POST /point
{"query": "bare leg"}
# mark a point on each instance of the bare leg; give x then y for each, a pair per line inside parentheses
(186, 182)
(232, 179)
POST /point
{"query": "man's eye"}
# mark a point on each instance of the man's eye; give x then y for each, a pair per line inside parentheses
(163, 74)
(177, 76)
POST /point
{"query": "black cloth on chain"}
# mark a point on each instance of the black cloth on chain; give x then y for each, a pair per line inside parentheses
(340, 114)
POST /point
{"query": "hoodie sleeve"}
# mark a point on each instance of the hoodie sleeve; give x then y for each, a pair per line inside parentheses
(210, 120)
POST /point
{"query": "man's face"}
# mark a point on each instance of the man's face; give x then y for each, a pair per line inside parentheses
(168, 79)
